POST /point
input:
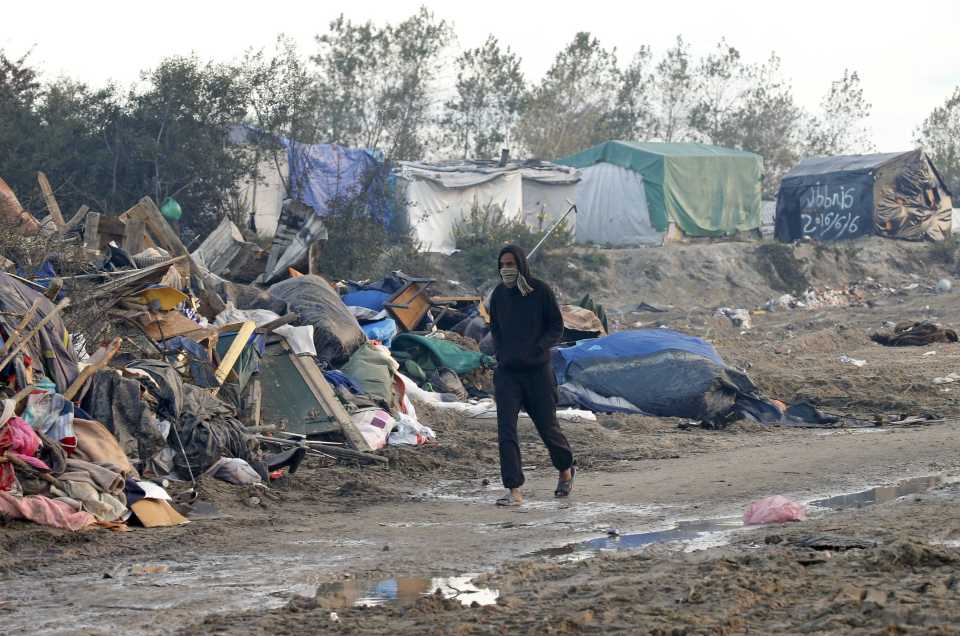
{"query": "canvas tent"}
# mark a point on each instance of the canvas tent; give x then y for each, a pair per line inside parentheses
(441, 195)
(631, 192)
(897, 195)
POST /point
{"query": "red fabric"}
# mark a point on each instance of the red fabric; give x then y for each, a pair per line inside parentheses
(45, 511)
(17, 437)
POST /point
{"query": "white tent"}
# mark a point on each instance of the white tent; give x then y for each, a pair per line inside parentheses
(440, 196)
(612, 208)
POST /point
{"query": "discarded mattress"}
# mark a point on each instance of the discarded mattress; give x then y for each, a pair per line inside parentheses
(657, 372)
(337, 333)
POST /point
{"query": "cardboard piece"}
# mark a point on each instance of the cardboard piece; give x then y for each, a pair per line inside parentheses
(155, 513)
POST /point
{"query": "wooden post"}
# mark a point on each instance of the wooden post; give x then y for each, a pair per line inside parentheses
(313, 258)
(256, 399)
(233, 353)
(52, 206)
(133, 236)
(91, 233)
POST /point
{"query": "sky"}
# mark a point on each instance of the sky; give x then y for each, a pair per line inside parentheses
(907, 53)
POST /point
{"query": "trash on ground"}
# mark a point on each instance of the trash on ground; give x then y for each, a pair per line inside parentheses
(775, 509)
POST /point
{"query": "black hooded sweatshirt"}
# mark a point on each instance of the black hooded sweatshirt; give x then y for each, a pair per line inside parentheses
(524, 328)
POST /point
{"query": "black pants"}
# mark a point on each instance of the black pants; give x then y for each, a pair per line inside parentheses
(533, 390)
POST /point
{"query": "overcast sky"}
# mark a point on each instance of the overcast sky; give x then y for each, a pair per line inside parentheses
(907, 53)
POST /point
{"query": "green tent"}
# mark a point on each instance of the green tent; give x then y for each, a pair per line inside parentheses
(705, 190)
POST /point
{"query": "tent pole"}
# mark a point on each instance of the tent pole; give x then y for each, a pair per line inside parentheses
(573, 208)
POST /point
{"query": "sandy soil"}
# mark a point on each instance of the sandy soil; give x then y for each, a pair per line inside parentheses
(266, 561)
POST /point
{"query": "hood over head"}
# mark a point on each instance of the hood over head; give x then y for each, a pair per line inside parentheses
(518, 253)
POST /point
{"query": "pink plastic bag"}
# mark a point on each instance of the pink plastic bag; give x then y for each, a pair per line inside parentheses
(776, 509)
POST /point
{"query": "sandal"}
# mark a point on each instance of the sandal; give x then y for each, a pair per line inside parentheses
(565, 486)
(509, 501)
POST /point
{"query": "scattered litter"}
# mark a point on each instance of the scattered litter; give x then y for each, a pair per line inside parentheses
(949, 379)
(944, 286)
(140, 569)
(775, 509)
(739, 317)
(853, 361)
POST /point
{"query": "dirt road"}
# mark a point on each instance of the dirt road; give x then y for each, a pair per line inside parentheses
(280, 561)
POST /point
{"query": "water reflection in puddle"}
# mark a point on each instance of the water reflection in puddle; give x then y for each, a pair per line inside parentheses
(879, 494)
(698, 533)
(406, 591)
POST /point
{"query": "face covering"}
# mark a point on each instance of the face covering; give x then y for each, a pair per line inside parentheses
(511, 276)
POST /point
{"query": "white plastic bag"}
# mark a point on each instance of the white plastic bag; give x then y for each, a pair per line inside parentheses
(411, 432)
(375, 425)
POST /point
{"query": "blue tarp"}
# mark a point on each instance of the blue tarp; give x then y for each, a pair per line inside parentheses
(383, 330)
(322, 172)
(368, 298)
(633, 344)
(656, 371)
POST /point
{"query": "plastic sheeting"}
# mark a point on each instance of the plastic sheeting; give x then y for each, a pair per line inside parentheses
(706, 190)
(336, 332)
(660, 372)
(612, 208)
(436, 209)
(898, 195)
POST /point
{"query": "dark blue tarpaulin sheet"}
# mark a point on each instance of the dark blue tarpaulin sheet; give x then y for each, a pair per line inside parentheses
(656, 371)
(322, 172)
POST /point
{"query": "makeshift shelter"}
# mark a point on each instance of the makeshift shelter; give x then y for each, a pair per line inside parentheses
(440, 195)
(897, 195)
(632, 192)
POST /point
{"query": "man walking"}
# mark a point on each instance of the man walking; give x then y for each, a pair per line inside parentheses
(526, 322)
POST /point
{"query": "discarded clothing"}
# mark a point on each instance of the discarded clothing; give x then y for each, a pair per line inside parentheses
(99, 489)
(46, 512)
(300, 339)
(916, 334)
(118, 403)
(436, 353)
(202, 371)
(18, 438)
(372, 368)
(235, 471)
(339, 378)
(375, 425)
(50, 414)
(209, 431)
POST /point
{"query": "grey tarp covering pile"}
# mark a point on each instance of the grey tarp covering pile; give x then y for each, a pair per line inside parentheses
(336, 333)
(897, 195)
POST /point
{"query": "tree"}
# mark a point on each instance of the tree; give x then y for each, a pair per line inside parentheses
(839, 128)
(176, 130)
(489, 97)
(576, 105)
(673, 92)
(939, 135)
(721, 81)
(634, 114)
(766, 121)
(375, 84)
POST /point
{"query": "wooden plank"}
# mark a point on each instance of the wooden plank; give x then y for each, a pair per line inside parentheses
(103, 358)
(140, 275)
(233, 353)
(324, 394)
(133, 236)
(313, 258)
(146, 210)
(52, 206)
(78, 217)
(15, 334)
(91, 232)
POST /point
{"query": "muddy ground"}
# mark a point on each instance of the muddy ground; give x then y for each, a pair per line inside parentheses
(282, 560)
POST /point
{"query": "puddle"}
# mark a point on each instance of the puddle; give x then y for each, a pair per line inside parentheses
(407, 590)
(879, 494)
(697, 534)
